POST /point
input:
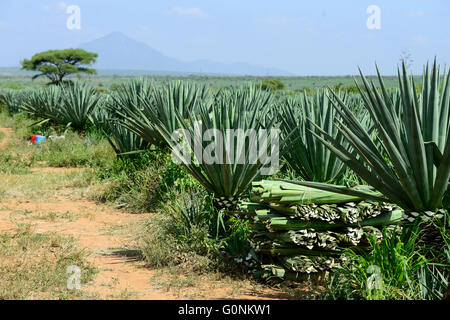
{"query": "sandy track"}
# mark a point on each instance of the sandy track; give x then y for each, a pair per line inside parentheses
(107, 235)
(99, 230)
(96, 229)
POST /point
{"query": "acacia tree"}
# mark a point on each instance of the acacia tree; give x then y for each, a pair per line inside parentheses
(56, 64)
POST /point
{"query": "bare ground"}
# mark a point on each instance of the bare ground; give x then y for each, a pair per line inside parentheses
(107, 235)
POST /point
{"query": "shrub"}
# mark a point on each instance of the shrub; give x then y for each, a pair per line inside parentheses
(272, 85)
(134, 190)
(348, 89)
(180, 235)
(195, 234)
(141, 181)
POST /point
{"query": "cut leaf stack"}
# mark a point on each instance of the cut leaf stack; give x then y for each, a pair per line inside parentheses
(304, 230)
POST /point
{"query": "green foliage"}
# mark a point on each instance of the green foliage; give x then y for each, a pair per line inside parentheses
(124, 141)
(116, 87)
(272, 85)
(305, 154)
(57, 64)
(413, 167)
(101, 90)
(70, 106)
(434, 276)
(347, 89)
(75, 151)
(147, 110)
(244, 108)
(308, 90)
(13, 164)
(44, 103)
(398, 266)
(180, 235)
(78, 104)
(136, 190)
(13, 99)
(11, 86)
(142, 181)
(386, 272)
(195, 234)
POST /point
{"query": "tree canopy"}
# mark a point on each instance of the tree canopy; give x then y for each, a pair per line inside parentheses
(56, 64)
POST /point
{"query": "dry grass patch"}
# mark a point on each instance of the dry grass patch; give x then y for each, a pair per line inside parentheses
(34, 265)
(44, 184)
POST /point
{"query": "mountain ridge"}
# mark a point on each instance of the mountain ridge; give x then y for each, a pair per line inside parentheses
(113, 47)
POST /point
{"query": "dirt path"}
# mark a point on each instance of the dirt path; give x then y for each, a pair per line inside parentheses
(7, 132)
(104, 232)
(97, 229)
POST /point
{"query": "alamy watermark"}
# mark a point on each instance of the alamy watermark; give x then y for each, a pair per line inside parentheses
(231, 146)
(74, 280)
(374, 281)
(374, 20)
(74, 20)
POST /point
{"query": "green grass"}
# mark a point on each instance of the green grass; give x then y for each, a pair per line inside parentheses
(393, 268)
(33, 265)
(111, 81)
(20, 123)
(75, 151)
(13, 164)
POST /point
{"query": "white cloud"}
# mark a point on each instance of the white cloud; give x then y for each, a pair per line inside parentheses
(187, 12)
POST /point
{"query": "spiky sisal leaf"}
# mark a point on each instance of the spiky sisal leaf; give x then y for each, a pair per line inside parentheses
(72, 105)
(138, 105)
(124, 141)
(79, 102)
(44, 103)
(14, 99)
(415, 137)
(306, 155)
(126, 106)
(238, 109)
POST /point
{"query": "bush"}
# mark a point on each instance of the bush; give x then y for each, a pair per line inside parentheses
(11, 86)
(142, 181)
(272, 85)
(134, 190)
(180, 234)
(348, 89)
(195, 235)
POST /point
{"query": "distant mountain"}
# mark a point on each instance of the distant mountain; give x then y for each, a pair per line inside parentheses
(119, 52)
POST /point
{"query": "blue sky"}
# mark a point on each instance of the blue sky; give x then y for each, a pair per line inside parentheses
(302, 37)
